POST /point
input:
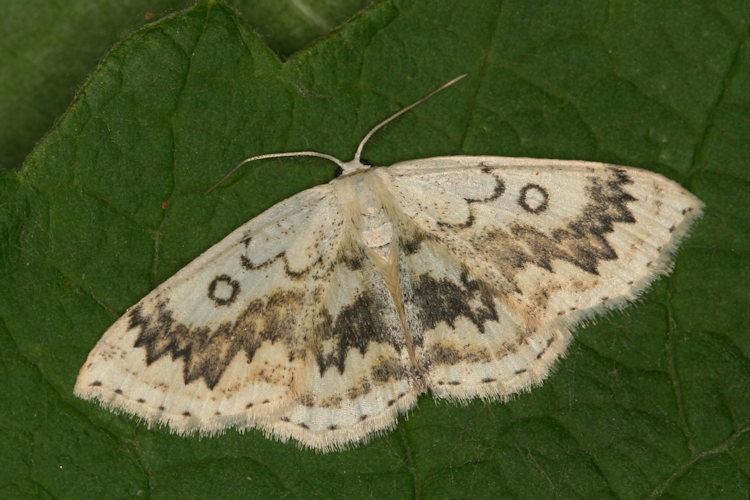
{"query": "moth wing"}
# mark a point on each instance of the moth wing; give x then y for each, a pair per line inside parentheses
(363, 376)
(283, 325)
(517, 251)
(220, 342)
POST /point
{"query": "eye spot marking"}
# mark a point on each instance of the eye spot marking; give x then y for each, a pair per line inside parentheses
(533, 198)
(223, 290)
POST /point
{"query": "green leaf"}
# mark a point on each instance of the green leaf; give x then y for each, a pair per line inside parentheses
(651, 401)
(49, 48)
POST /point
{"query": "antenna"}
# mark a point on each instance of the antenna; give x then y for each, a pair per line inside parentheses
(355, 163)
(396, 115)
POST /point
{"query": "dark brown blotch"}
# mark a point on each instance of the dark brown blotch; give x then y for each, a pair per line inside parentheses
(357, 326)
(443, 300)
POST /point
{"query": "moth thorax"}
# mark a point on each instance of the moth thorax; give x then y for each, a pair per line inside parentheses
(376, 229)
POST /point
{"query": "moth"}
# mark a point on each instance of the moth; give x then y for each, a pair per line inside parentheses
(327, 315)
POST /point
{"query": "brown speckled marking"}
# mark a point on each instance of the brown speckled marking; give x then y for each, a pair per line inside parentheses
(161, 408)
(96, 383)
(307, 400)
(186, 414)
(411, 240)
(118, 391)
(445, 354)
(389, 369)
(364, 388)
(333, 401)
(141, 400)
(352, 256)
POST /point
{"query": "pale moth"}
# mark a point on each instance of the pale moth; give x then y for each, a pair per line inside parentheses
(327, 315)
